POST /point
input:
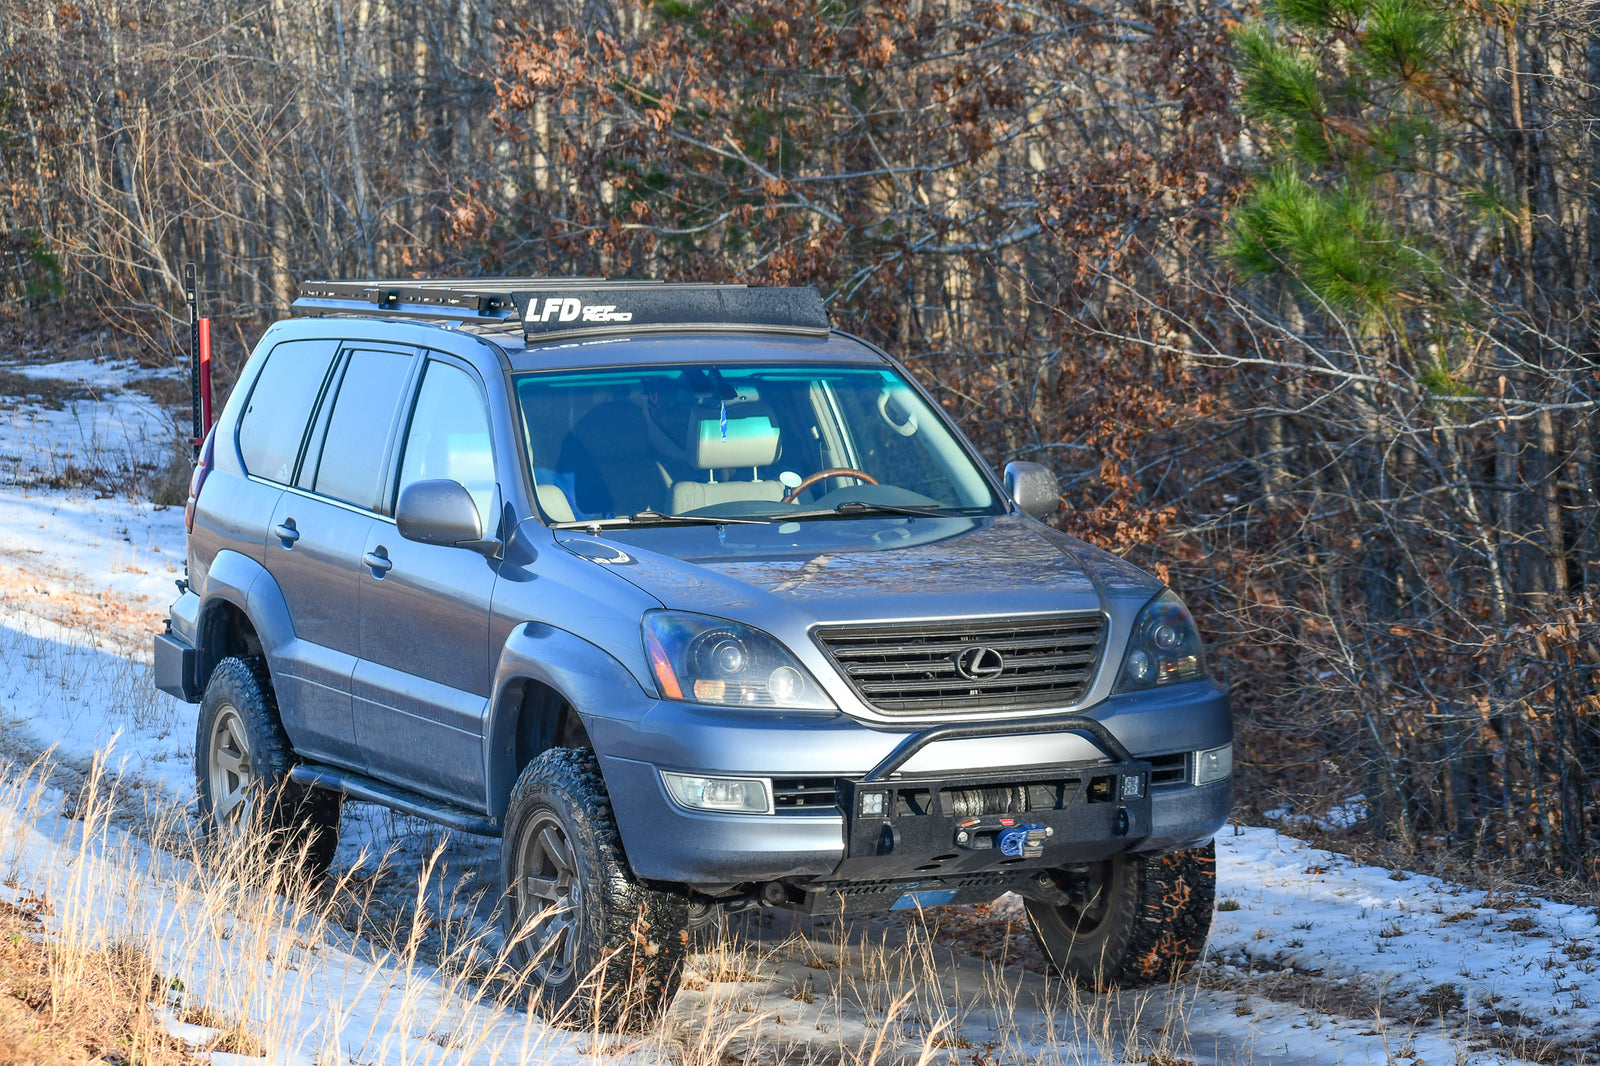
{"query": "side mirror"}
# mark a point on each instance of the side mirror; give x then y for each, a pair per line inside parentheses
(1033, 486)
(441, 512)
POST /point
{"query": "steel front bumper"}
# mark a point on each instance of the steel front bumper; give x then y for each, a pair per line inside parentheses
(926, 785)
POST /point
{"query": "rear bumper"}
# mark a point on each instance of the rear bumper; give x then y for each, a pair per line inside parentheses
(175, 668)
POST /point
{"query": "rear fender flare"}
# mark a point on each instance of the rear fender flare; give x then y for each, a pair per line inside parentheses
(588, 677)
(238, 580)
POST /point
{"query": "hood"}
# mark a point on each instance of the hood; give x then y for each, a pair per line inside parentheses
(867, 569)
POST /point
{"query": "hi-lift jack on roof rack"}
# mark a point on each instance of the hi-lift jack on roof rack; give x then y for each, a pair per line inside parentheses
(199, 363)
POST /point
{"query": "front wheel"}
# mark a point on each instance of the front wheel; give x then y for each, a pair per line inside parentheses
(1139, 919)
(597, 947)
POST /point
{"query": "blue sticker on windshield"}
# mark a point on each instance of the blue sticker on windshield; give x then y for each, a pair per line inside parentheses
(723, 422)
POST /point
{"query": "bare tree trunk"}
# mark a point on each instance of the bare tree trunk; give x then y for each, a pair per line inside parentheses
(358, 160)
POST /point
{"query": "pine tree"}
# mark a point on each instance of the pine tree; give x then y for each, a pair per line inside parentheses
(1346, 96)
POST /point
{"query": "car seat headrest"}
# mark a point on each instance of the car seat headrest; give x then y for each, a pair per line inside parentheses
(751, 440)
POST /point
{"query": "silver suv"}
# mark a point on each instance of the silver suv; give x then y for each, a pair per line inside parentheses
(699, 606)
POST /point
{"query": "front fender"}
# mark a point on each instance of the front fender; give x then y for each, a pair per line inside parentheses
(587, 676)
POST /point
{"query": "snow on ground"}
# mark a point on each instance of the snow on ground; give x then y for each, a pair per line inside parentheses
(1497, 956)
(68, 420)
(134, 550)
(1313, 958)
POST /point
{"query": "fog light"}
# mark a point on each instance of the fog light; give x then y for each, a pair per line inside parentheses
(1213, 765)
(872, 803)
(1132, 786)
(746, 794)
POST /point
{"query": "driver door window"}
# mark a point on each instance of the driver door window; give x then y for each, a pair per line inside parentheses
(449, 438)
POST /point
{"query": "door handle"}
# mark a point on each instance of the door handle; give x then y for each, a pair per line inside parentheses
(378, 561)
(287, 533)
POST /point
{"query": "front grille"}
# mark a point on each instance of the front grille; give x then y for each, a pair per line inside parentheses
(912, 669)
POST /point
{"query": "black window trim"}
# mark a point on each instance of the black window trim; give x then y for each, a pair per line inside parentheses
(324, 412)
(317, 425)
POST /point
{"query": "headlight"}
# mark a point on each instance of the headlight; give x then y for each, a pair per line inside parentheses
(1164, 646)
(712, 660)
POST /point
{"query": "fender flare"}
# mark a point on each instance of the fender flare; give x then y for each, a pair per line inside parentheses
(238, 580)
(587, 676)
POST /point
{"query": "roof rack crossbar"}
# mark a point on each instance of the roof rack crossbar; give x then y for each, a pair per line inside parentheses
(572, 306)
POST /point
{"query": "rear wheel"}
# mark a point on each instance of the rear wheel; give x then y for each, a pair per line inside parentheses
(1139, 919)
(242, 762)
(597, 947)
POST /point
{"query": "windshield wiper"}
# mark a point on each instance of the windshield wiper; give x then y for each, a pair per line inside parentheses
(656, 518)
(852, 508)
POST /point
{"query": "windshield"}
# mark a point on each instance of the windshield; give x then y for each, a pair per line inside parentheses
(731, 441)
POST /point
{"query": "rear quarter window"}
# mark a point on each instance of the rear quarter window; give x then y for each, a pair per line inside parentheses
(273, 424)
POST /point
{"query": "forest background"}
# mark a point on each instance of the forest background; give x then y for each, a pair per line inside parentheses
(1298, 301)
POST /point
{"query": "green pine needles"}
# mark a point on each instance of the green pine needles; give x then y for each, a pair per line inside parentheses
(1333, 241)
(1346, 94)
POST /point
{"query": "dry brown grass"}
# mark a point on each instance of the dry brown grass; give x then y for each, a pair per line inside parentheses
(61, 1006)
(50, 393)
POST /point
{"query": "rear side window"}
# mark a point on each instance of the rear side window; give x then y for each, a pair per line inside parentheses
(358, 429)
(449, 436)
(274, 420)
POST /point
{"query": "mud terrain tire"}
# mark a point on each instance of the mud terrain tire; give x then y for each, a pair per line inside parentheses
(1147, 922)
(241, 762)
(608, 951)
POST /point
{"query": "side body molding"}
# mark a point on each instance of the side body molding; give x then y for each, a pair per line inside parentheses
(591, 680)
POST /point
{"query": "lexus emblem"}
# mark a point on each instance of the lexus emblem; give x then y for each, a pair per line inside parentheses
(978, 663)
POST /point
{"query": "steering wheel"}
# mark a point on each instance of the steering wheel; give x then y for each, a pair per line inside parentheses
(832, 471)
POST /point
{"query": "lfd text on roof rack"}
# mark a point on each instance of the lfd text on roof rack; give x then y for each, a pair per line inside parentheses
(549, 307)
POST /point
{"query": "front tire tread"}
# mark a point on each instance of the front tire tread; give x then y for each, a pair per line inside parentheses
(627, 969)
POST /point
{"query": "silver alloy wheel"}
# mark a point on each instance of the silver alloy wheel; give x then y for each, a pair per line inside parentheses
(233, 777)
(547, 897)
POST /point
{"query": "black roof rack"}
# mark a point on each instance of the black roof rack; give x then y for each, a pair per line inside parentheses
(549, 307)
